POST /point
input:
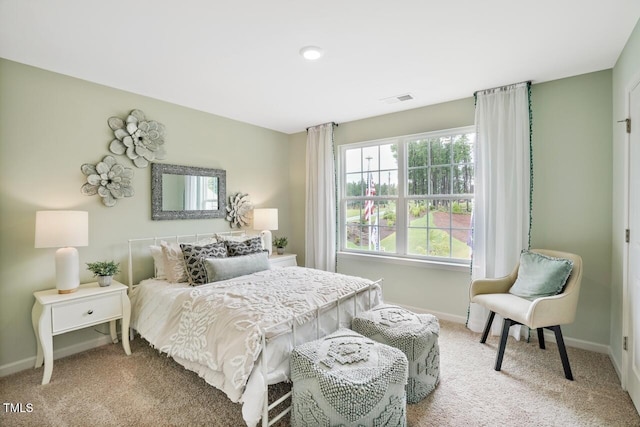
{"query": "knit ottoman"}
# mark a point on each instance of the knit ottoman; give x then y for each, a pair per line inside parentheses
(415, 334)
(347, 379)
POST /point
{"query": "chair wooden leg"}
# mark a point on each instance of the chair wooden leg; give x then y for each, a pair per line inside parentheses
(487, 327)
(541, 338)
(563, 352)
(503, 342)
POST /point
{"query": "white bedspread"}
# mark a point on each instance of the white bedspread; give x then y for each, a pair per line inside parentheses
(215, 329)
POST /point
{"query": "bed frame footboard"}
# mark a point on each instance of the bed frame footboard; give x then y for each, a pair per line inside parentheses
(312, 316)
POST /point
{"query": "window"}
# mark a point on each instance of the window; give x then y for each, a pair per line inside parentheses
(409, 196)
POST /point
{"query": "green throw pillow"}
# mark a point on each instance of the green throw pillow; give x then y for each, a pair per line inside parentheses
(540, 275)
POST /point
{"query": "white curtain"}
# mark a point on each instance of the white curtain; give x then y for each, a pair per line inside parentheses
(502, 190)
(320, 221)
(191, 201)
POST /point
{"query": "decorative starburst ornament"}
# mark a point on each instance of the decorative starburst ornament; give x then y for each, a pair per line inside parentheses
(238, 210)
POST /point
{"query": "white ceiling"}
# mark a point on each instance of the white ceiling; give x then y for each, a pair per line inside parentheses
(239, 59)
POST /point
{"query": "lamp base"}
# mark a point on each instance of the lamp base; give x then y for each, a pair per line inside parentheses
(67, 270)
(267, 240)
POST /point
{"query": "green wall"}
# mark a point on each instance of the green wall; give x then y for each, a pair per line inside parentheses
(50, 125)
(572, 197)
(625, 73)
(572, 188)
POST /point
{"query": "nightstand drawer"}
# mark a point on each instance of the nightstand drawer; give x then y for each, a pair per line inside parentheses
(87, 311)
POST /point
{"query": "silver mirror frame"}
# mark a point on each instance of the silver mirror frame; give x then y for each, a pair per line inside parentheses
(158, 169)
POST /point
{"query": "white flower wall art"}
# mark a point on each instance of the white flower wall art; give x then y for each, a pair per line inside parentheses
(141, 140)
(238, 210)
(108, 179)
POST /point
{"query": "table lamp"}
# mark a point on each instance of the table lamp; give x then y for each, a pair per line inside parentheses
(266, 220)
(63, 230)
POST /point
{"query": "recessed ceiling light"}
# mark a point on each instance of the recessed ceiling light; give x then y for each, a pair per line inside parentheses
(311, 53)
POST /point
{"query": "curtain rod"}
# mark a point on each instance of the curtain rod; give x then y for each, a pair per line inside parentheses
(333, 123)
(501, 87)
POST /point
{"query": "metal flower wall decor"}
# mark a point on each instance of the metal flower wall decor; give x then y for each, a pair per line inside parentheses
(108, 179)
(238, 210)
(140, 139)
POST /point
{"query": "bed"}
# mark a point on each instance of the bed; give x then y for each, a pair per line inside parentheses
(237, 332)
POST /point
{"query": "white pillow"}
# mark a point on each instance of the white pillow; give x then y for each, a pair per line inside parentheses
(174, 266)
(232, 238)
(206, 241)
(158, 261)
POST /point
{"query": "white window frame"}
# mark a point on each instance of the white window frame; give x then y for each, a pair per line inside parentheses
(402, 199)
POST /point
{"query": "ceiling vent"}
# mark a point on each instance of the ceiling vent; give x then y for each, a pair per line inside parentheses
(398, 98)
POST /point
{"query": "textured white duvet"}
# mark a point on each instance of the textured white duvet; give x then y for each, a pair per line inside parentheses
(215, 329)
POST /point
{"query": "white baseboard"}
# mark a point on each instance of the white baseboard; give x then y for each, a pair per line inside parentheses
(548, 335)
(617, 365)
(30, 362)
(576, 343)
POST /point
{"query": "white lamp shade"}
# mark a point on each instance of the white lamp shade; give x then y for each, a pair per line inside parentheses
(63, 230)
(59, 229)
(265, 219)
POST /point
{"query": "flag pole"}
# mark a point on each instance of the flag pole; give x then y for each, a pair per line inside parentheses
(369, 194)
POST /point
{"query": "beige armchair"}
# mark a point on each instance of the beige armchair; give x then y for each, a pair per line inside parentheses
(546, 312)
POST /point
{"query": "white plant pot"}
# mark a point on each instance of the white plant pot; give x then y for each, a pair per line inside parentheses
(104, 280)
(280, 251)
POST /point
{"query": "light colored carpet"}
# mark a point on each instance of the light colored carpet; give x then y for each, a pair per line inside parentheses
(103, 387)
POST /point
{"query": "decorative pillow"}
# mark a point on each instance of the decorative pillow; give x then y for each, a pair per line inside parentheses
(158, 261)
(540, 275)
(228, 268)
(174, 267)
(237, 238)
(232, 238)
(193, 256)
(206, 241)
(249, 246)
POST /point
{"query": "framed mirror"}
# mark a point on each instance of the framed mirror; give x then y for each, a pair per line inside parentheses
(186, 192)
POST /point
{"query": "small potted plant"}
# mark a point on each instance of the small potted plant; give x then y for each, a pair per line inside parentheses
(103, 270)
(280, 243)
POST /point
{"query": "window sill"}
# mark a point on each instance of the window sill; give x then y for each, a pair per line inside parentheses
(410, 262)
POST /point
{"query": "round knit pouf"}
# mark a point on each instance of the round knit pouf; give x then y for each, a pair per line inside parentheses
(415, 334)
(347, 379)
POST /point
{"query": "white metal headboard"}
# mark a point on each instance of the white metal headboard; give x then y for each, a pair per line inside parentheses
(175, 238)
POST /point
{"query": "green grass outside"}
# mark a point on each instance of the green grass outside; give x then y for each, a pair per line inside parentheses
(418, 244)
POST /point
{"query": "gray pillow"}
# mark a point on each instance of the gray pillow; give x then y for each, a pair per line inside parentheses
(228, 268)
(540, 275)
(246, 247)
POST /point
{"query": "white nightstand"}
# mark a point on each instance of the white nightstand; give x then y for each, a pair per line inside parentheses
(284, 260)
(55, 314)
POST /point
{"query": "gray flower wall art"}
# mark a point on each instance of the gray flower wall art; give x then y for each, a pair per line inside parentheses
(108, 179)
(139, 139)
